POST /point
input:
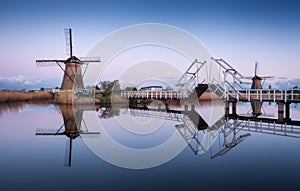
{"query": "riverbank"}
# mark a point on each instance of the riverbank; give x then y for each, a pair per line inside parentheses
(17, 95)
(67, 98)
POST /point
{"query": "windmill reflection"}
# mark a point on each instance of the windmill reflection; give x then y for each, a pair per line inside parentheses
(200, 137)
(73, 126)
(256, 107)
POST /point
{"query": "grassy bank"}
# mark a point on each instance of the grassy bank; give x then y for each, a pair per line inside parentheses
(116, 98)
(15, 95)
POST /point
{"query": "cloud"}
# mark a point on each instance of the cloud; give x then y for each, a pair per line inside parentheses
(22, 82)
(38, 81)
(19, 78)
(281, 78)
(27, 82)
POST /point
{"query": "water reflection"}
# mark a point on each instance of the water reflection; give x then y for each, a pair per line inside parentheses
(21, 105)
(232, 150)
(73, 126)
(189, 123)
(197, 134)
(217, 139)
(233, 130)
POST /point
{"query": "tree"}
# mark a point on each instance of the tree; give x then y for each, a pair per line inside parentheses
(116, 88)
(110, 87)
(130, 89)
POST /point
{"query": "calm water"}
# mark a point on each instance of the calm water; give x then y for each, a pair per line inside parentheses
(42, 162)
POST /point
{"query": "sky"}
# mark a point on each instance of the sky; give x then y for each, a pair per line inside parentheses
(241, 32)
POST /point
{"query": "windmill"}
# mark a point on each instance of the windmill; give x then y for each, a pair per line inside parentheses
(72, 67)
(258, 81)
(73, 128)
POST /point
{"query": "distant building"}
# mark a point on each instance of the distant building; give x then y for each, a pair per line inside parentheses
(152, 88)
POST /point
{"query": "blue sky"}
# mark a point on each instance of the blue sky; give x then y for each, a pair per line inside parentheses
(241, 32)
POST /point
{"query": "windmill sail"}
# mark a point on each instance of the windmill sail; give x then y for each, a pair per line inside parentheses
(68, 35)
(49, 63)
(86, 60)
(256, 73)
(256, 69)
(68, 153)
(72, 67)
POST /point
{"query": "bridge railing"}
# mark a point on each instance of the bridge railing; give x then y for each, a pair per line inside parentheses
(188, 80)
(268, 127)
(153, 94)
(265, 95)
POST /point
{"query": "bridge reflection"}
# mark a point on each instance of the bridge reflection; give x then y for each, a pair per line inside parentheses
(200, 137)
(232, 128)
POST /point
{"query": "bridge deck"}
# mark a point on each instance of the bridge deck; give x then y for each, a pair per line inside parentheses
(153, 94)
(270, 95)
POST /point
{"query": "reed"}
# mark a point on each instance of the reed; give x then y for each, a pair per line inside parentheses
(16, 95)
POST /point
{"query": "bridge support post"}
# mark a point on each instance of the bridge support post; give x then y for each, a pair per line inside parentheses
(227, 108)
(283, 111)
(159, 106)
(186, 108)
(193, 108)
(234, 108)
(280, 111)
(287, 111)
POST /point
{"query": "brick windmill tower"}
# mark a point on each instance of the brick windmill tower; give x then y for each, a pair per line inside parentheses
(72, 68)
(257, 83)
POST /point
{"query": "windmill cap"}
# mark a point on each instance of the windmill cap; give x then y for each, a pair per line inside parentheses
(72, 59)
(256, 78)
(72, 135)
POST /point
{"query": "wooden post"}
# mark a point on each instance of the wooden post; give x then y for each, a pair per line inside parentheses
(280, 111)
(233, 108)
(249, 94)
(285, 95)
(226, 109)
(159, 106)
(186, 107)
(287, 111)
(261, 98)
(193, 108)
